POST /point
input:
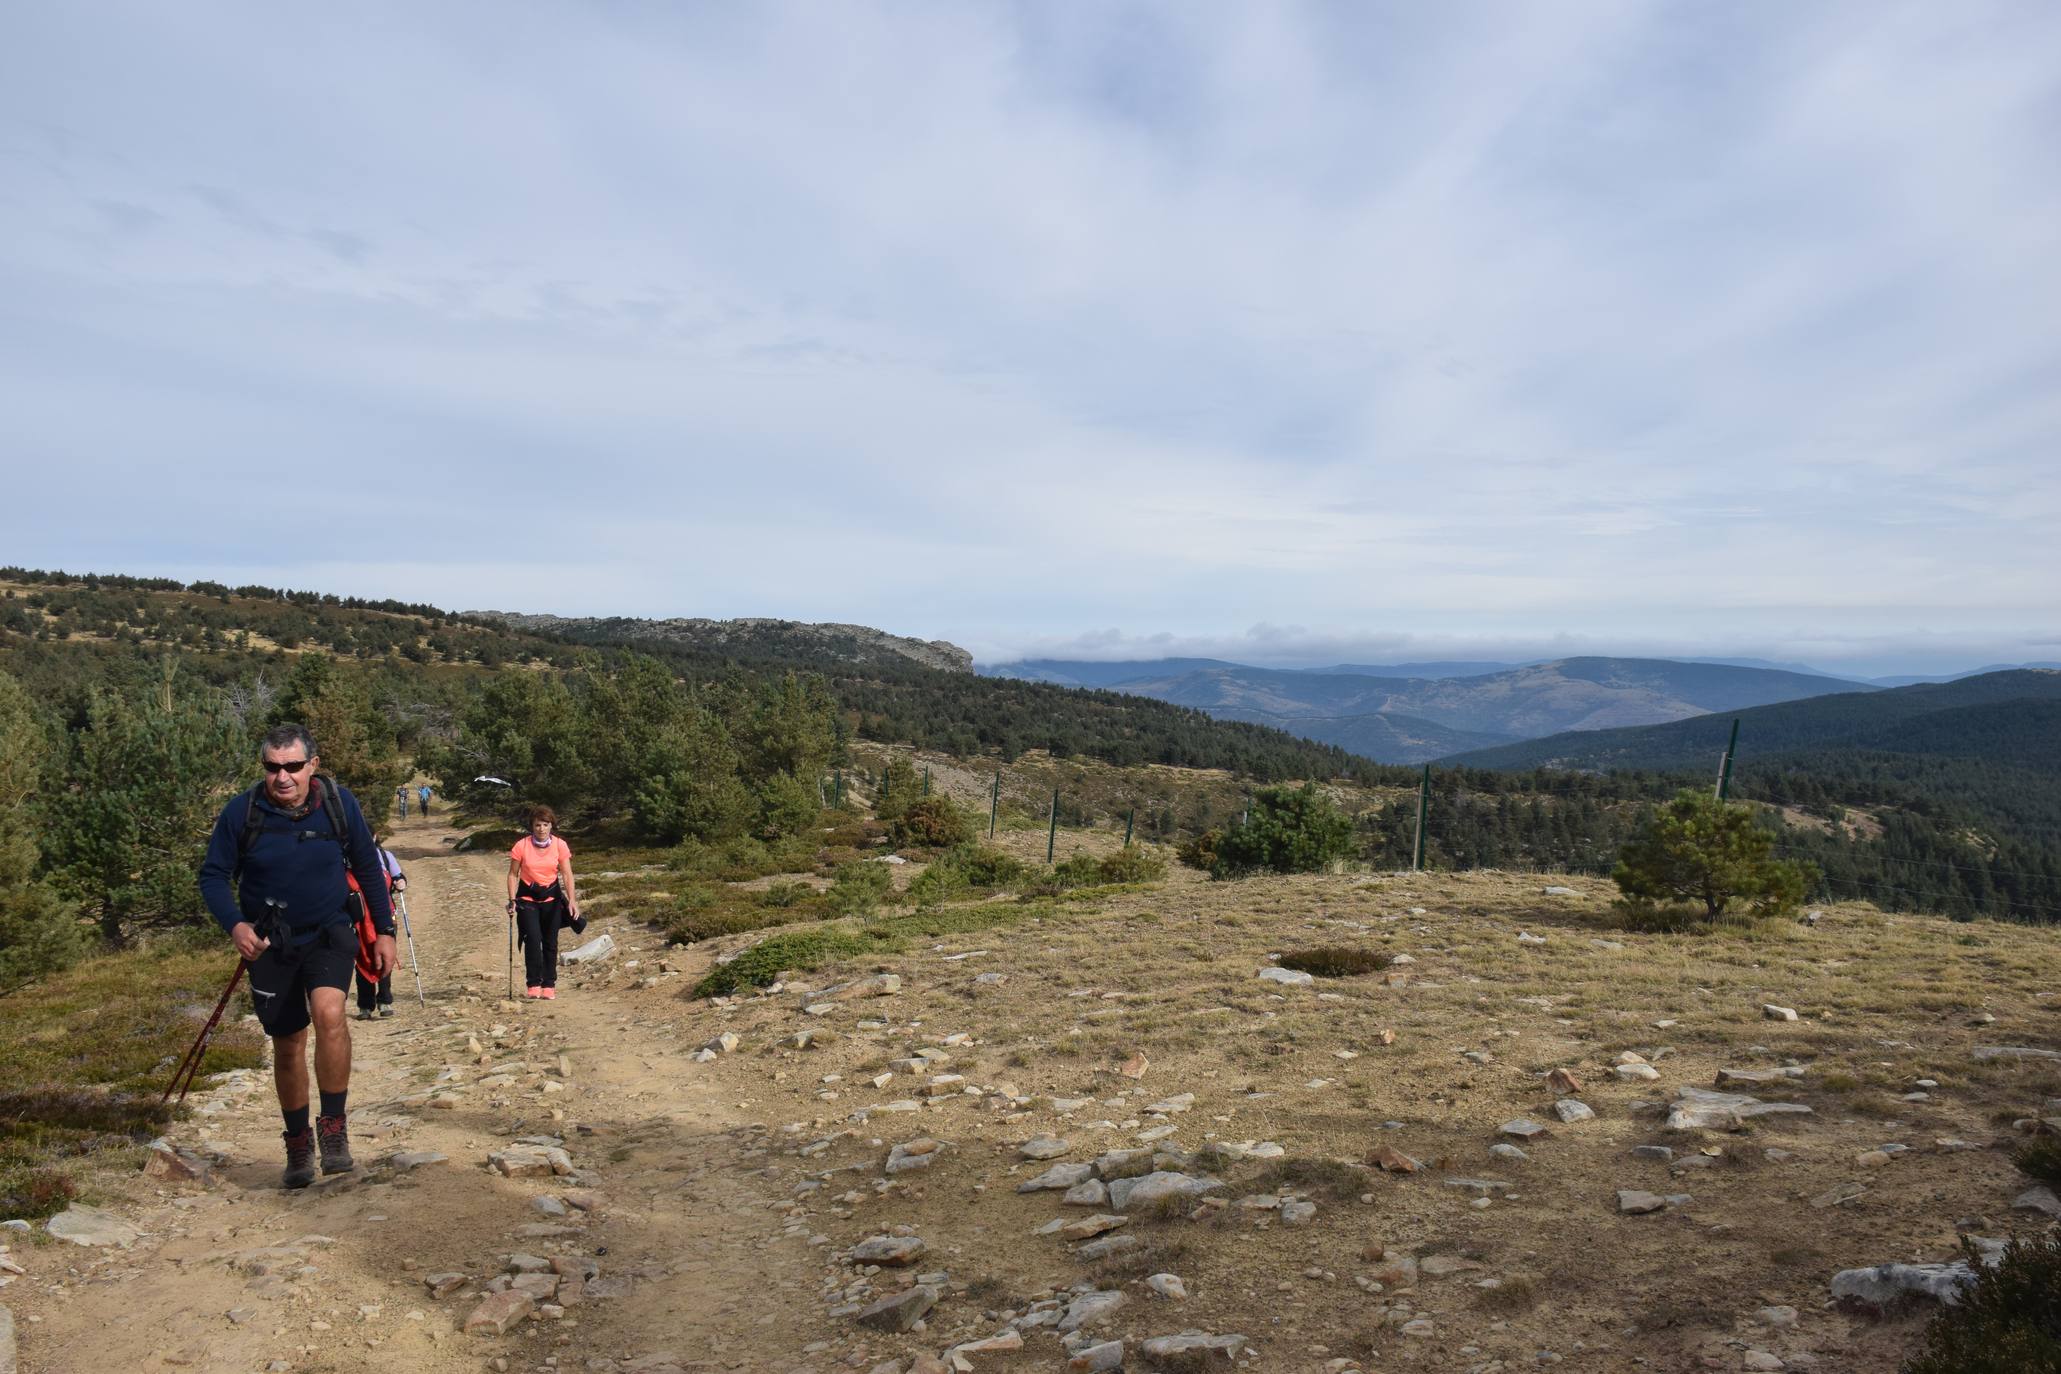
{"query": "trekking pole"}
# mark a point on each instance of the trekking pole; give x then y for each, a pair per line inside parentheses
(511, 956)
(182, 1077)
(401, 900)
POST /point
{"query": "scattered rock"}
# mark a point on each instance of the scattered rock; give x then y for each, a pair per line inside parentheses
(912, 1155)
(2040, 1199)
(598, 948)
(1635, 1073)
(497, 1313)
(1983, 1053)
(1564, 1083)
(1193, 1349)
(408, 1160)
(1043, 1147)
(1698, 1109)
(1098, 1359)
(1775, 1013)
(1093, 1193)
(1090, 1308)
(1058, 1176)
(1287, 977)
(1298, 1213)
(1634, 1202)
(894, 1251)
(1561, 892)
(1389, 1159)
(1660, 1152)
(1570, 1111)
(1521, 1128)
(878, 985)
(1168, 1286)
(1126, 1193)
(722, 1044)
(1135, 1066)
(1102, 1247)
(83, 1225)
(1525, 937)
(1884, 1285)
(900, 1311)
(444, 1285)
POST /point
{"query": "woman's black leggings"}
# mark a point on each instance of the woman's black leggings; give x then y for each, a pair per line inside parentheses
(539, 911)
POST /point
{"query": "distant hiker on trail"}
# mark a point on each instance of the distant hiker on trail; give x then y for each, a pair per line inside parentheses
(286, 845)
(376, 991)
(423, 795)
(401, 796)
(541, 897)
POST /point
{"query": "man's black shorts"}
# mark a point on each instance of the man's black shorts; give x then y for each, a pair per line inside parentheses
(281, 977)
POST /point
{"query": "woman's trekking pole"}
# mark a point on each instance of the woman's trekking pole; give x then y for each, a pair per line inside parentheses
(401, 904)
(511, 956)
(182, 1077)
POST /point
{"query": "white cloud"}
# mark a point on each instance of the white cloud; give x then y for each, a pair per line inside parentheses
(1453, 323)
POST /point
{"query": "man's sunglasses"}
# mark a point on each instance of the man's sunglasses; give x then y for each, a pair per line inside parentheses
(291, 766)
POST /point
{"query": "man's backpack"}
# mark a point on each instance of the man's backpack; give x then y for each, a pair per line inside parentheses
(254, 820)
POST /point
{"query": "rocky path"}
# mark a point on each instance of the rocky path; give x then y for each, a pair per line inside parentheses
(651, 1246)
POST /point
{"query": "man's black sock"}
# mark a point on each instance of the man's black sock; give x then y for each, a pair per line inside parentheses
(296, 1119)
(333, 1103)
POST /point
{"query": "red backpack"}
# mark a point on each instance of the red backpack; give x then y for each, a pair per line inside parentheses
(362, 920)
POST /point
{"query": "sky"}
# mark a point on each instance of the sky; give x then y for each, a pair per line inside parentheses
(1285, 333)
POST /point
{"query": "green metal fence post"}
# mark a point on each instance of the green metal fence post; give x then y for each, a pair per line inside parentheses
(994, 805)
(1724, 787)
(1423, 807)
(926, 779)
(1052, 835)
(1130, 816)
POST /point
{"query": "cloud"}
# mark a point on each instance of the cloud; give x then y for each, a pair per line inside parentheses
(992, 322)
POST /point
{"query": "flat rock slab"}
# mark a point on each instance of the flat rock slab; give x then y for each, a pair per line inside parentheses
(1635, 1202)
(2040, 1200)
(1058, 1176)
(91, 1226)
(1570, 1111)
(1098, 1359)
(415, 1159)
(1193, 1350)
(498, 1313)
(894, 1251)
(900, 1311)
(1986, 1052)
(1884, 1285)
(1089, 1309)
(1287, 977)
(1522, 1128)
(1126, 1193)
(1043, 1147)
(600, 947)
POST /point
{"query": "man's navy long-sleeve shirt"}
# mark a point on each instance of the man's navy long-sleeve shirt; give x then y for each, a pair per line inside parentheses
(295, 861)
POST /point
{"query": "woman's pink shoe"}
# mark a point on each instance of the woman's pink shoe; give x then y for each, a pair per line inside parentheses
(550, 994)
(533, 992)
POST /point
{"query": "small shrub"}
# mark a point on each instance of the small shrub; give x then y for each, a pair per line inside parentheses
(785, 894)
(933, 822)
(690, 927)
(1133, 864)
(765, 961)
(2008, 1322)
(859, 888)
(1290, 830)
(1331, 1179)
(1335, 961)
(2041, 1158)
(1697, 849)
(941, 882)
(1201, 851)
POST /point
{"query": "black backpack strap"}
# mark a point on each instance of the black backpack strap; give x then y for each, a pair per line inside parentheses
(253, 824)
(254, 820)
(334, 808)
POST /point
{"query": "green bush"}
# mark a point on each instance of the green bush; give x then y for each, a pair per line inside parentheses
(859, 888)
(2041, 1158)
(787, 806)
(1699, 850)
(2008, 1322)
(1200, 851)
(1291, 830)
(706, 923)
(783, 895)
(1133, 864)
(941, 882)
(38, 930)
(934, 822)
(760, 965)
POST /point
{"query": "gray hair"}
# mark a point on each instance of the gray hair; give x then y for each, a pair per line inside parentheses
(286, 735)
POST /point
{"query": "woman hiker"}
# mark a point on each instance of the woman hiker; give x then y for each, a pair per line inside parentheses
(377, 994)
(541, 897)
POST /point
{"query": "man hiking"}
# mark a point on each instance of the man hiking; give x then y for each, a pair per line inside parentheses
(286, 844)
(401, 796)
(422, 794)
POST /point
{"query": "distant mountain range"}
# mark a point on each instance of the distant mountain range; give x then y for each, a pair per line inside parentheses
(2004, 717)
(1416, 712)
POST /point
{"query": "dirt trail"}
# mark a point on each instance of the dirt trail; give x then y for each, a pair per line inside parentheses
(240, 1276)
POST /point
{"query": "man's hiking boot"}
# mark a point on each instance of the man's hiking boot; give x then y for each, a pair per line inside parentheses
(300, 1160)
(336, 1145)
(386, 1009)
(364, 1013)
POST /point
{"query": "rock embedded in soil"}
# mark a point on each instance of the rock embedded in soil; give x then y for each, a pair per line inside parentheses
(1635, 1073)
(1058, 1176)
(1043, 1147)
(1098, 1359)
(1089, 1309)
(912, 1155)
(1882, 1286)
(900, 1311)
(1126, 1193)
(2040, 1199)
(1570, 1111)
(1521, 1128)
(497, 1313)
(1287, 977)
(1168, 1286)
(1103, 1247)
(1564, 1083)
(1775, 1013)
(1635, 1202)
(893, 1251)
(82, 1225)
(1389, 1159)
(1193, 1350)
(1984, 1053)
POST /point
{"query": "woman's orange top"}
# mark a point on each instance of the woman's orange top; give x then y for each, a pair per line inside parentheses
(539, 863)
